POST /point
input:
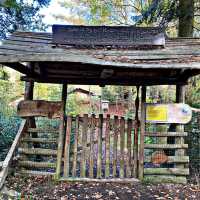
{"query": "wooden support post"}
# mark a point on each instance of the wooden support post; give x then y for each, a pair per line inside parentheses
(142, 132)
(61, 132)
(180, 98)
(75, 146)
(84, 146)
(99, 156)
(116, 131)
(129, 142)
(122, 136)
(107, 141)
(67, 146)
(91, 161)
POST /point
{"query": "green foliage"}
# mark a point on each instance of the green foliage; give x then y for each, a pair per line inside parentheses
(21, 14)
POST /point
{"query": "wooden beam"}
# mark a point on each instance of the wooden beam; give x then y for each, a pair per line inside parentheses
(61, 133)
(142, 132)
(111, 81)
(166, 171)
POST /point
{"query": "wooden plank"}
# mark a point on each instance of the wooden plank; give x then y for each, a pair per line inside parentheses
(165, 179)
(37, 173)
(172, 159)
(75, 146)
(166, 146)
(67, 146)
(166, 171)
(61, 133)
(40, 140)
(113, 180)
(99, 156)
(129, 154)
(180, 98)
(107, 142)
(116, 131)
(36, 108)
(91, 159)
(7, 161)
(37, 164)
(142, 132)
(42, 130)
(108, 35)
(37, 151)
(122, 143)
(167, 134)
(84, 145)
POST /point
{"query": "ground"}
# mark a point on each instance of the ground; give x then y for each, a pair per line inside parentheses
(43, 188)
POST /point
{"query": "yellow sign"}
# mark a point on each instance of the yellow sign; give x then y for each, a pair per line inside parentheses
(156, 113)
(168, 113)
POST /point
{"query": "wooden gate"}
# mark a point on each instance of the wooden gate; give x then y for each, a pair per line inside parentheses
(100, 148)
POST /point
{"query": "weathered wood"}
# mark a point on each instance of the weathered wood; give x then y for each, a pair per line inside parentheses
(91, 159)
(167, 134)
(67, 146)
(40, 140)
(99, 156)
(116, 131)
(165, 179)
(37, 151)
(38, 108)
(172, 159)
(166, 146)
(108, 35)
(61, 133)
(142, 132)
(180, 98)
(113, 180)
(37, 164)
(7, 161)
(37, 173)
(107, 144)
(122, 143)
(75, 146)
(166, 171)
(42, 130)
(136, 132)
(84, 145)
(129, 154)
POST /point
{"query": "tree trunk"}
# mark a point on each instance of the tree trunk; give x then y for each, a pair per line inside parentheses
(186, 18)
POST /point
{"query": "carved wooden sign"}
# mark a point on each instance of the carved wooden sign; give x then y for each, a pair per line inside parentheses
(39, 108)
(177, 113)
(108, 36)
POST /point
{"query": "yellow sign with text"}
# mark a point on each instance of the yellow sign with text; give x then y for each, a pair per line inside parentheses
(156, 113)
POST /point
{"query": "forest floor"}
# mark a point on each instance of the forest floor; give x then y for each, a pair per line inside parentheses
(43, 188)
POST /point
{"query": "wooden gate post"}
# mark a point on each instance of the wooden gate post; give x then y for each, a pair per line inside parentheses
(180, 98)
(142, 132)
(61, 132)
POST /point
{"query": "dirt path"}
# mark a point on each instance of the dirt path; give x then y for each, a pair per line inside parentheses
(39, 188)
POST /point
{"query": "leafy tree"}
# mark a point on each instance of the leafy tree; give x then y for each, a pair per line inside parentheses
(21, 14)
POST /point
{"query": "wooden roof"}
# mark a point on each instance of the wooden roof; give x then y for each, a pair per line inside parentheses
(34, 55)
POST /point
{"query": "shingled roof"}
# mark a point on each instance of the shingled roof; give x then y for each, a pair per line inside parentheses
(39, 59)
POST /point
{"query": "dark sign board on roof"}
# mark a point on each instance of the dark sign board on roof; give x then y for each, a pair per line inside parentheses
(126, 36)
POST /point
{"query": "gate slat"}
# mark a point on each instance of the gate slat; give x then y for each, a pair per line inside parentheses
(135, 151)
(84, 146)
(75, 146)
(122, 136)
(67, 147)
(107, 139)
(129, 141)
(92, 132)
(115, 146)
(99, 156)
